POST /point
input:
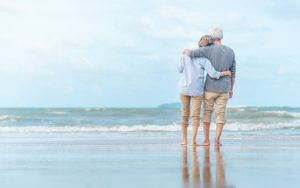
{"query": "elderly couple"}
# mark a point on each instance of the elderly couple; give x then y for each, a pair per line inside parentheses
(218, 61)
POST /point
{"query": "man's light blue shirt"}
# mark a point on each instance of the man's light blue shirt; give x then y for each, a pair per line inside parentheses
(192, 80)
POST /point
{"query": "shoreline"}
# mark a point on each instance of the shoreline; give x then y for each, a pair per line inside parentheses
(147, 160)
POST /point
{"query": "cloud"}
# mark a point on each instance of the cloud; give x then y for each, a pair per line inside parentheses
(289, 70)
(283, 10)
(153, 28)
(106, 48)
(15, 7)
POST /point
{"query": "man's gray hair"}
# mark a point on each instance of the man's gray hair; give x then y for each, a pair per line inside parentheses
(216, 33)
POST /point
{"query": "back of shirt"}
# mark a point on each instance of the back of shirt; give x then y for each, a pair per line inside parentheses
(192, 79)
(222, 58)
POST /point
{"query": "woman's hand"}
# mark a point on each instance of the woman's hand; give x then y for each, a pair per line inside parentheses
(228, 73)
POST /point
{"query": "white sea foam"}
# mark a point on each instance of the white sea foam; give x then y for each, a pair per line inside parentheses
(58, 113)
(124, 128)
(8, 118)
(284, 113)
(260, 126)
(94, 109)
(140, 128)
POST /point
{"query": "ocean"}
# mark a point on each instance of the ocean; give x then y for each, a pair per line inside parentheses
(138, 119)
(140, 147)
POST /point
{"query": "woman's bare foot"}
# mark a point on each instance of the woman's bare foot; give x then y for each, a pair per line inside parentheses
(193, 144)
(183, 143)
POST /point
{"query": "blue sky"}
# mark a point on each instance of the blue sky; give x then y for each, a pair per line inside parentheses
(121, 53)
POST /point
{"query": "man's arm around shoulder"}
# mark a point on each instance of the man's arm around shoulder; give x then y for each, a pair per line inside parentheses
(200, 52)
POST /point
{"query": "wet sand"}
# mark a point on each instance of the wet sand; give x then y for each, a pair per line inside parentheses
(246, 159)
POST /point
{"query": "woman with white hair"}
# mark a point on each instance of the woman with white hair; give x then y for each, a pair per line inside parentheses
(191, 86)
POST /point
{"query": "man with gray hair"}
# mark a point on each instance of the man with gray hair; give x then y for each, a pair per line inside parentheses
(217, 92)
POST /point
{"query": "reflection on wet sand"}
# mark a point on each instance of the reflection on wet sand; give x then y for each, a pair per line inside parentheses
(206, 169)
(184, 168)
(195, 168)
(220, 172)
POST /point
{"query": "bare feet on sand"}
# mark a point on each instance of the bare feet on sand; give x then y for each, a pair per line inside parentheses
(194, 144)
(217, 143)
(205, 143)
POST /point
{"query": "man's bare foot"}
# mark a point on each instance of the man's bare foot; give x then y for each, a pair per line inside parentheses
(193, 144)
(217, 143)
(184, 141)
(205, 143)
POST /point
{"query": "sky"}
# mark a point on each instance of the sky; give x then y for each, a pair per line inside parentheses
(123, 53)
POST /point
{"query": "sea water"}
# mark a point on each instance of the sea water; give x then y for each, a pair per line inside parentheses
(138, 119)
(140, 147)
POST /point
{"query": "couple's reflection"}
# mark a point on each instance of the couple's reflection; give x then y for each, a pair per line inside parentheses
(206, 169)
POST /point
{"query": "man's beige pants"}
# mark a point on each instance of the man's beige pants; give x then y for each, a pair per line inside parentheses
(220, 102)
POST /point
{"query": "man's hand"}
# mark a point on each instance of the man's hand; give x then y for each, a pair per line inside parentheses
(230, 93)
(186, 51)
(231, 88)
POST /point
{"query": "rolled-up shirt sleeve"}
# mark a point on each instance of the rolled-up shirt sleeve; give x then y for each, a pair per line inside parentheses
(211, 70)
(180, 66)
(233, 68)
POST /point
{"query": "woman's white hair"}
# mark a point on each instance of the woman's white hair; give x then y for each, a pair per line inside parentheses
(216, 33)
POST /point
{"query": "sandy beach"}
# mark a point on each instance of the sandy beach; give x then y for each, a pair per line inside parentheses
(152, 159)
(112, 148)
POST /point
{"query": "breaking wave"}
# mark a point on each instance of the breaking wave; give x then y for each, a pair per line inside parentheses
(8, 118)
(139, 128)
